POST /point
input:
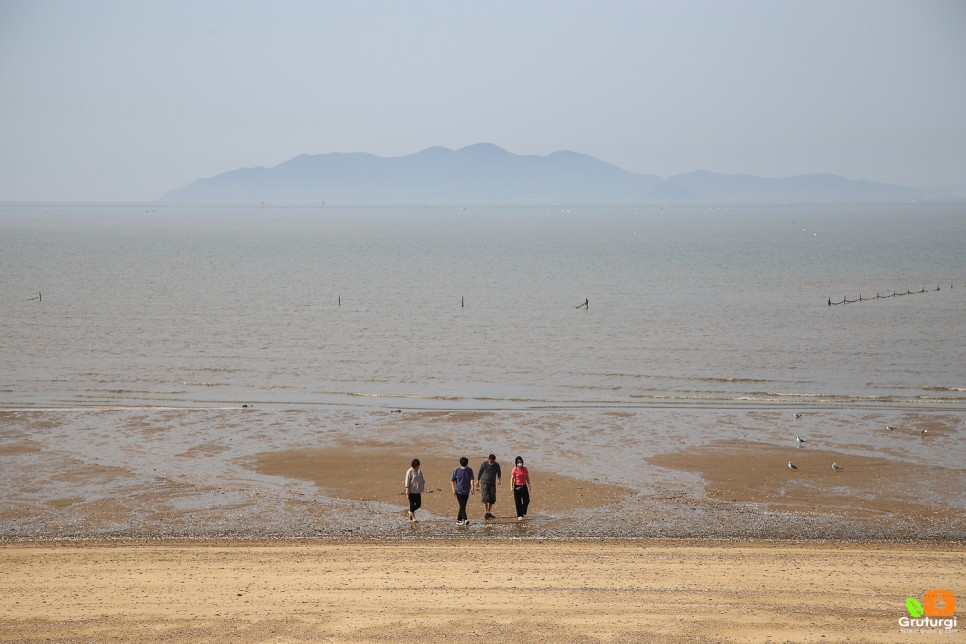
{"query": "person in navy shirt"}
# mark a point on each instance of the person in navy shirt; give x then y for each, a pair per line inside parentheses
(462, 482)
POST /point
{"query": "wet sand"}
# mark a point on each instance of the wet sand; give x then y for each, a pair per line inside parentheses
(862, 487)
(336, 474)
(377, 591)
(368, 472)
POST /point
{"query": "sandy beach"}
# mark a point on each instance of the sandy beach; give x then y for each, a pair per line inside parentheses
(432, 590)
(242, 525)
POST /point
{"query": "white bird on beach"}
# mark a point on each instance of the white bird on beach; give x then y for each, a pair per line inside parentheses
(891, 427)
(799, 439)
(923, 432)
(798, 415)
(836, 466)
(792, 466)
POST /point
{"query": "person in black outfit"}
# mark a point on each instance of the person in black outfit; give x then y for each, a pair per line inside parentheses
(462, 482)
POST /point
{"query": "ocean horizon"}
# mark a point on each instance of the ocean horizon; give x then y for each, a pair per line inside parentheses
(466, 307)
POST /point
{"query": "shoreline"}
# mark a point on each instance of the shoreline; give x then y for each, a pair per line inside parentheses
(250, 474)
(404, 403)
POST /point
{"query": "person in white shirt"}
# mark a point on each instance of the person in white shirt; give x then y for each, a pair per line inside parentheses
(415, 484)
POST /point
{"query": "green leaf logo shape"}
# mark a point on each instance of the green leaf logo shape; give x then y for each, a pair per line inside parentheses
(914, 607)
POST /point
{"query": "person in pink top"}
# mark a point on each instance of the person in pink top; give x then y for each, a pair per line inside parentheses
(520, 477)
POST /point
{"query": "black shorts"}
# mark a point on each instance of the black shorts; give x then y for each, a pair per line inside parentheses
(488, 492)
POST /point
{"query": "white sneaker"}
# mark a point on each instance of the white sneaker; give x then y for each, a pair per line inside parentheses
(520, 518)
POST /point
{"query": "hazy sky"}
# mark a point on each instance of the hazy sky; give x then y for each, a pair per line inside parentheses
(125, 100)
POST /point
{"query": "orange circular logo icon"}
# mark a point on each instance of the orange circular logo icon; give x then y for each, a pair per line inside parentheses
(939, 603)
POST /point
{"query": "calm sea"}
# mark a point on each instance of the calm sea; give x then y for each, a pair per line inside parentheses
(477, 307)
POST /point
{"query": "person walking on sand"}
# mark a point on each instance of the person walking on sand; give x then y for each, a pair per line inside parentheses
(520, 477)
(487, 479)
(414, 486)
(462, 482)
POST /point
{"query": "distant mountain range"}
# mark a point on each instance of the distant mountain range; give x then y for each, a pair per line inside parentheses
(485, 173)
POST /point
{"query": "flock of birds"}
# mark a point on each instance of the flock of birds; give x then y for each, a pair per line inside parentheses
(835, 466)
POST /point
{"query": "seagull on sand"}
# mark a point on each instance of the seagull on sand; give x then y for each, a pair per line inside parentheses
(798, 415)
(891, 427)
(923, 432)
(799, 439)
(792, 466)
(836, 466)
